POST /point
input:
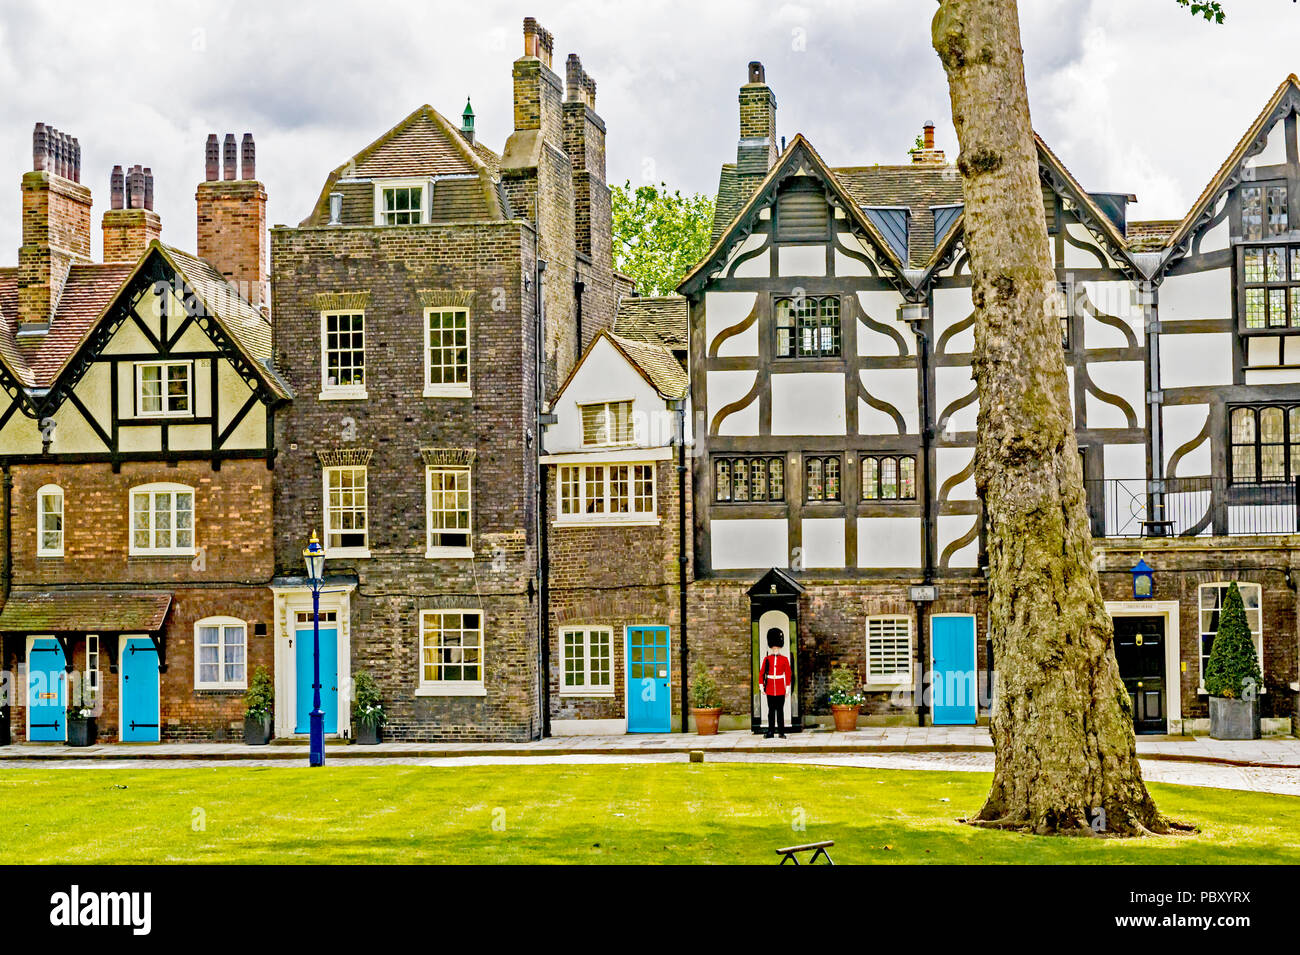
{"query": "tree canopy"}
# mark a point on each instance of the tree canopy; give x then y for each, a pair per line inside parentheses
(659, 235)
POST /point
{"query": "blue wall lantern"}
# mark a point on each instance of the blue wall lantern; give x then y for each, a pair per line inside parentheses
(1144, 580)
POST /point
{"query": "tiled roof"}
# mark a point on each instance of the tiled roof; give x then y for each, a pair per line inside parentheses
(729, 201)
(661, 319)
(1150, 236)
(105, 611)
(423, 145)
(657, 362)
(918, 187)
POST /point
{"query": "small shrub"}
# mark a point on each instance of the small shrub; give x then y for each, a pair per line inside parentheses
(1233, 668)
(844, 688)
(367, 702)
(259, 698)
(705, 694)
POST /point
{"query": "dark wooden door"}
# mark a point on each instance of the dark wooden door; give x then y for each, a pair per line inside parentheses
(1140, 653)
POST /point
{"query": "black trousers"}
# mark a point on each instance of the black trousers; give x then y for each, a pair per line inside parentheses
(775, 714)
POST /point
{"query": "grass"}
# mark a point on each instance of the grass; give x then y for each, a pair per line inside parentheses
(631, 813)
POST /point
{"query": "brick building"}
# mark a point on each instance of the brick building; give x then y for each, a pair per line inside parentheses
(435, 295)
(136, 445)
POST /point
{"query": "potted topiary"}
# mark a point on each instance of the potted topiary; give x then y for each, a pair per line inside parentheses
(259, 704)
(706, 702)
(1232, 676)
(82, 730)
(367, 709)
(846, 702)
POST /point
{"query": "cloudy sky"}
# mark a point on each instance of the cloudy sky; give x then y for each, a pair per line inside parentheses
(1134, 95)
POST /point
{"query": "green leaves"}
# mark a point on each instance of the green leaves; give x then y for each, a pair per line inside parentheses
(1212, 11)
(659, 235)
(1232, 672)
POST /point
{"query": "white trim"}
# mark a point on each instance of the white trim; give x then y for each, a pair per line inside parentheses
(436, 551)
(162, 487)
(1169, 610)
(606, 515)
(289, 602)
(617, 456)
(445, 390)
(426, 193)
(586, 689)
(162, 384)
(903, 679)
(351, 551)
(606, 521)
(451, 687)
(329, 392)
(221, 623)
(612, 727)
(44, 491)
(121, 679)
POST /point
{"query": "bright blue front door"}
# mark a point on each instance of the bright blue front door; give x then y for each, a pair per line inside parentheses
(139, 668)
(953, 693)
(649, 696)
(47, 692)
(329, 679)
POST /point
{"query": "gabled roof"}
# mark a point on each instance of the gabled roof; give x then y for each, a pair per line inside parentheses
(798, 153)
(90, 293)
(1284, 99)
(775, 583)
(653, 361)
(919, 187)
(663, 319)
(423, 145)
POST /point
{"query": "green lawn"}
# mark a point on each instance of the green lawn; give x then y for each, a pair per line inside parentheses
(642, 813)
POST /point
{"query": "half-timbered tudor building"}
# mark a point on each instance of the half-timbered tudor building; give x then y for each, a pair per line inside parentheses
(136, 445)
(436, 294)
(831, 332)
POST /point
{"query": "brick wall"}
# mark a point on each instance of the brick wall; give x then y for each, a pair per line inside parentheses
(232, 233)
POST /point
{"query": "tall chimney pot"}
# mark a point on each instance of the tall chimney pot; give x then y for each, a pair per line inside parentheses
(228, 156)
(117, 188)
(248, 158)
(212, 159)
(148, 188)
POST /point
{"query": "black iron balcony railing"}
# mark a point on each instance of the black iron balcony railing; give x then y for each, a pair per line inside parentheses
(1192, 507)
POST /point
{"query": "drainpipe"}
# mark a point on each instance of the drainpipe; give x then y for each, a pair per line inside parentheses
(578, 289)
(679, 405)
(7, 565)
(915, 318)
(543, 552)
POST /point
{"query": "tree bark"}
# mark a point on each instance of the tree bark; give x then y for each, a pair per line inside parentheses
(1065, 753)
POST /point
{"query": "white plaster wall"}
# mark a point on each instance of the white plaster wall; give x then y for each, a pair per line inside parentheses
(823, 542)
(1124, 461)
(1126, 379)
(950, 528)
(1274, 154)
(898, 386)
(1181, 424)
(950, 461)
(801, 260)
(1190, 360)
(882, 306)
(951, 383)
(724, 387)
(952, 305)
(742, 544)
(1196, 295)
(722, 310)
(889, 542)
(808, 403)
(606, 375)
(757, 267)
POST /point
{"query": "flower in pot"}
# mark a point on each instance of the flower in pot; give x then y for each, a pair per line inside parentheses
(706, 702)
(846, 702)
(81, 725)
(259, 704)
(367, 709)
(1232, 676)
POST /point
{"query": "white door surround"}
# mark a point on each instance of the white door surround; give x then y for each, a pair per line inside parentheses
(290, 600)
(1173, 647)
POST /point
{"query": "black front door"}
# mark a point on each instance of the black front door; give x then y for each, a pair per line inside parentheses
(1140, 653)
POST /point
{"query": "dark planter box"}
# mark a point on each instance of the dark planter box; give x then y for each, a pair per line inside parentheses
(1234, 719)
(368, 735)
(257, 732)
(81, 732)
(4, 726)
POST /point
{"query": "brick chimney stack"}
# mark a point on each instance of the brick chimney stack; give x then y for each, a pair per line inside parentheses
(927, 154)
(584, 142)
(130, 224)
(756, 152)
(55, 226)
(232, 217)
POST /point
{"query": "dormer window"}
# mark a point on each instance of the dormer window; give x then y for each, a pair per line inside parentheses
(401, 202)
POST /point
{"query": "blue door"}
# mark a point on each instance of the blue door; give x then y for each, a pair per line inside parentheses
(953, 692)
(649, 693)
(329, 678)
(47, 692)
(139, 668)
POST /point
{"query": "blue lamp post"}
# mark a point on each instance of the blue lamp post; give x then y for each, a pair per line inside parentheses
(314, 557)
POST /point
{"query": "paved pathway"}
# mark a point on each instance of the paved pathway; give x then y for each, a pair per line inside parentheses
(1279, 752)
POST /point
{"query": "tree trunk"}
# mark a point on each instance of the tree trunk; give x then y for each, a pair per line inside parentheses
(1065, 754)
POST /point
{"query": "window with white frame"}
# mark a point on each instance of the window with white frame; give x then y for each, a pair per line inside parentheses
(451, 651)
(164, 389)
(586, 662)
(220, 654)
(162, 520)
(49, 521)
(1211, 600)
(448, 507)
(399, 203)
(614, 492)
(446, 352)
(889, 649)
(607, 423)
(343, 354)
(92, 667)
(345, 511)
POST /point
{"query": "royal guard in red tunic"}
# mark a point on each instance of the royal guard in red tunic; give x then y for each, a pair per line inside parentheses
(774, 677)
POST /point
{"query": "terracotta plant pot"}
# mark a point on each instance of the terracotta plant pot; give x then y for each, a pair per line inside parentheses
(846, 717)
(706, 721)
